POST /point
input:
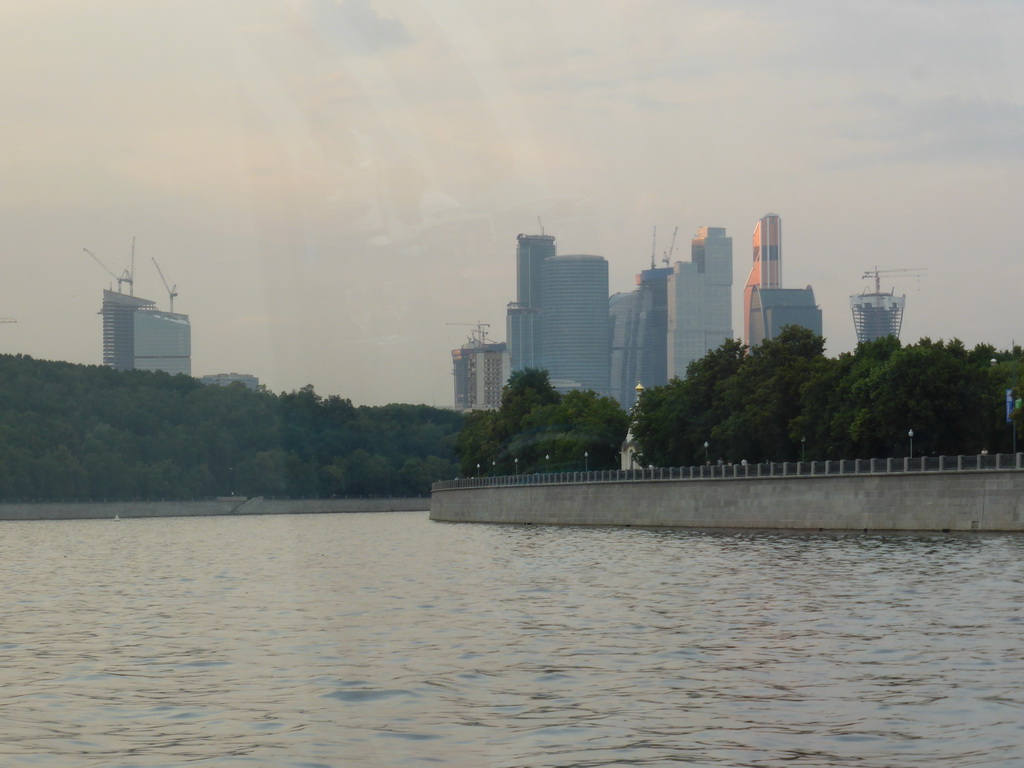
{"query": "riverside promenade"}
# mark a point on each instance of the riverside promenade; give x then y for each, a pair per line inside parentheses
(944, 493)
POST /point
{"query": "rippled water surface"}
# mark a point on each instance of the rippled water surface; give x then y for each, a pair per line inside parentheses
(388, 640)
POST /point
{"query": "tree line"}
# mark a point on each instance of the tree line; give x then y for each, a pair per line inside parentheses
(538, 429)
(784, 400)
(88, 432)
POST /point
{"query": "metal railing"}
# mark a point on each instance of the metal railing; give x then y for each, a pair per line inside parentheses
(743, 471)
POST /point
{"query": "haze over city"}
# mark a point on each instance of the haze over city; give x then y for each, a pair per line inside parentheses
(330, 185)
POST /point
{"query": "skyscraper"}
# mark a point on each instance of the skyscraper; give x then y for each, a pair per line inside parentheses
(767, 306)
(639, 335)
(771, 309)
(574, 322)
(700, 300)
(138, 336)
(879, 313)
(766, 271)
(523, 321)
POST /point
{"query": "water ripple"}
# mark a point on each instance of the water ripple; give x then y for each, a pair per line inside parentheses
(387, 640)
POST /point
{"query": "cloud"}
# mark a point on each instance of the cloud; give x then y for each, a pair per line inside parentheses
(947, 129)
(354, 27)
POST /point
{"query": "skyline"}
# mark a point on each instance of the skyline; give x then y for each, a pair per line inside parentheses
(329, 185)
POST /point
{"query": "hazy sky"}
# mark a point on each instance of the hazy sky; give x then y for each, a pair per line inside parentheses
(330, 183)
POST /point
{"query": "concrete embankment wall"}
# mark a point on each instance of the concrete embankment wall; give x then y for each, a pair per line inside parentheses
(223, 506)
(960, 501)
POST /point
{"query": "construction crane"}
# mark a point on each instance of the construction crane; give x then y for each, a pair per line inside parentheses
(171, 291)
(876, 273)
(126, 277)
(479, 333)
(654, 247)
(667, 259)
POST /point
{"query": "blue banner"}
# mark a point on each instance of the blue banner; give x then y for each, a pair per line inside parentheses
(1009, 406)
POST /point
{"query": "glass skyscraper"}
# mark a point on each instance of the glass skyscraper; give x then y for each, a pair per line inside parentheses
(639, 335)
(700, 300)
(574, 322)
(523, 320)
(766, 271)
(767, 306)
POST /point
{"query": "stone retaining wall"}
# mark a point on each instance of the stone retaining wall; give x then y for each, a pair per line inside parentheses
(990, 500)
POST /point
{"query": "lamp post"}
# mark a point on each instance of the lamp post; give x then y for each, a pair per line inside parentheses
(547, 462)
(478, 469)
(705, 451)
(910, 434)
(494, 467)
(803, 449)
(586, 461)
(516, 462)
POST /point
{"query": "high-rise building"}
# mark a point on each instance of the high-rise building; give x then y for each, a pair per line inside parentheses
(622, 335)
(700, 300)
(481, 369)
(879, 313)
(771, 309)
(138, 336)
(767, 306)
(639, 335)
(766, 271)
(574, 345)
(523, 321)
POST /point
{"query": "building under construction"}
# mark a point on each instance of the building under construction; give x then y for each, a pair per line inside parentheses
(481, 368)
(138, 336)
(879, 313)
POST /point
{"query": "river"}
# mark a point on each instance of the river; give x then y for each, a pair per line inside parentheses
(388, 640)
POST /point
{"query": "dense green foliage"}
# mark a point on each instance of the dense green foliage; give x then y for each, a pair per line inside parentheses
(87, 432)
(539, 430)
(784, 400)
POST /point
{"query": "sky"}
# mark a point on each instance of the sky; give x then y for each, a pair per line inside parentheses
(334, 187)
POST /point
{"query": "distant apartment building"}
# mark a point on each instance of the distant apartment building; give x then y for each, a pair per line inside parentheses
(138, 336)
(699, 300)
(481, 369)
(226, 379)
(767, 306)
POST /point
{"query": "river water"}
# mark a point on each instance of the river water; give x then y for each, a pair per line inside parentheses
(388, 640)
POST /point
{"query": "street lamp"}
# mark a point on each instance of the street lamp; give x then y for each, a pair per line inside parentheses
(478, 469)
(910, 434)
(803, 448)
(705, 451)
(547, 462)
(586, 461)
(516, 461)
(494, 467)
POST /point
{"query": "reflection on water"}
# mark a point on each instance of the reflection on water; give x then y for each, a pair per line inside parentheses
(380, 640)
